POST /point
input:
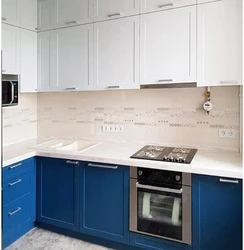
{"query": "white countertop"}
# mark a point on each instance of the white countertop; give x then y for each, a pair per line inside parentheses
(209, 162)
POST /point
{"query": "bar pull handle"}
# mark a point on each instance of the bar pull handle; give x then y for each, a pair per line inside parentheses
(71, 22)
(14, 212)
(165, 80)
(12, 92)
(229, 82)
(101, 166)
(114, 87)
(4, 19)
(14, 183)
(15, 166)
(74, 88)
(229, 181)
(114, 15)
(166, 5)
(72, 162)
(168, 190)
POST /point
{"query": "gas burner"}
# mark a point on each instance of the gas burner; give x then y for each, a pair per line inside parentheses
(151, 154)
(155, 148)
(181, 150)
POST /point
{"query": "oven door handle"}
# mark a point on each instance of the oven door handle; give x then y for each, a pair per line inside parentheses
(168, 190)
(12, 92)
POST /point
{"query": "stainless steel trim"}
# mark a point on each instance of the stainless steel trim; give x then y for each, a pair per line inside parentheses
(74, 88)
(101, 166)
(168, 85)
(229, 181)
(12, 96)
(15, 166)
(72, 162)
(14, 212)
(165, 80)
(133, 172)
(14, 183)
(133, 205)
(186, 179)
(4, 18)
(115, 14)
(168, 190)
(71, 22)
(114, 87)
(229, 82)
(166, 5)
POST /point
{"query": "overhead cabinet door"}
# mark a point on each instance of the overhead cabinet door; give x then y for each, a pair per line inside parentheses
(109, 9)
(11, 12)
(72, 12)
(158, 5)
(75, 58)
(29, 14)
(168, 46)
(220, 43)
(45, 15)
(116, 56)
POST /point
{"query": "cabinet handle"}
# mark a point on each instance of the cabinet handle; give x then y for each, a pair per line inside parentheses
(229, 181)
(228, 82)
(166, 5)
(101, 166)
(14, 183)
(165, 80)
(72, 162)
(15, 166)
(12, 97)
(74, 88)
(4, 18)
(14, 212)
(115, 14)
(71, 22)
(114, 87)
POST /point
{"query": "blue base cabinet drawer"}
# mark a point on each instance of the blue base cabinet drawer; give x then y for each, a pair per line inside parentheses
(152, 243)
(17, 187)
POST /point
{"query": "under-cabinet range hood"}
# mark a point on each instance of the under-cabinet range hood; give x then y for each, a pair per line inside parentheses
(162, 85)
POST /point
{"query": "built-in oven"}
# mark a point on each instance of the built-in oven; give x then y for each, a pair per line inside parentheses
(160, 204)
(10, 90)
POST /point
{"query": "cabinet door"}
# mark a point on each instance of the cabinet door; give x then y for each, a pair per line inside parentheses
(217, 213)
(57, 193)
(72, 12)
(168, 46)
(116, 55)
(219, 43)
(105, 201)
(158, 5)
(45, 15)
(11, 12)
(46, 61)
(109, 9)
(29, 14)
(28, 61)
(75, 58)
(11, 49)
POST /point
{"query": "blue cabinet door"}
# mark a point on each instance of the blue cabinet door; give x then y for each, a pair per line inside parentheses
(104, 191)
(217, 213)
(57, 193)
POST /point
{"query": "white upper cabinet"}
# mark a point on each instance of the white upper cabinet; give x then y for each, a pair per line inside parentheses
(11, 49)
(11, 12)
(219, 43)
(116, 54)
(206, 1)
(46, 61)
(110, 9)
(75, 58)
(28, 61)
(168, 46)
(29, 14)
(45, 18)
(158, 5)
(72, 12)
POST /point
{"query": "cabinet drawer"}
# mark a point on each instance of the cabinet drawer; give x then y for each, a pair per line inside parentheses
(19, 168)
(17, 213)
(16, 188)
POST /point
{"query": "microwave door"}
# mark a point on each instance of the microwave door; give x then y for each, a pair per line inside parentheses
(7, 93)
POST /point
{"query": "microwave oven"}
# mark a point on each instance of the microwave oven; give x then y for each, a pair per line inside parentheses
(10, 90)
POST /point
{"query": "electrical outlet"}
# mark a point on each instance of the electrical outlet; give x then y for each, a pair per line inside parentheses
(227, 133)
(113, 128)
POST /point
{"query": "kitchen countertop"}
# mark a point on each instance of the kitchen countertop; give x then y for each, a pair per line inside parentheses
(209, 162)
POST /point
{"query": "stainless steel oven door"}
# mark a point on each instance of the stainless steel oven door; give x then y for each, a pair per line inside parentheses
(161, 211)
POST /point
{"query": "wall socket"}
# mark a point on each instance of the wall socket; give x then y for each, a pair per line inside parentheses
(113, 128)
(227, 133)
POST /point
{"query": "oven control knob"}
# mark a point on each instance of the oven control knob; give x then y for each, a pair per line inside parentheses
(165, 158)
(177, 177)
(171, 158)
(140, 172)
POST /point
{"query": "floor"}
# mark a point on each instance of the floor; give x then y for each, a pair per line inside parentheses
(39, 239)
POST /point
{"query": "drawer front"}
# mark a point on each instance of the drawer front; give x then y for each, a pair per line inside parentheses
(19, 168)
(17, 187)
(16, 213)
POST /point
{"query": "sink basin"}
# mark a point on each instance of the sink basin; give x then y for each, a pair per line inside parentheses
(59, 145)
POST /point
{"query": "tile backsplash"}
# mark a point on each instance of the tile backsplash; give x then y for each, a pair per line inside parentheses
(163, 116)
(20, 122)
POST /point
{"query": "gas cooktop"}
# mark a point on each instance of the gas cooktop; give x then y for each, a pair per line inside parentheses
(169, 154)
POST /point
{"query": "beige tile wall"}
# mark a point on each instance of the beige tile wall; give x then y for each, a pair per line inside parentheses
(20, 122)
(165, 116)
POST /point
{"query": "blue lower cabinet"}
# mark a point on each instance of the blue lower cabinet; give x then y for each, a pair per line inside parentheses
(104, 192)
(152, 243)
(217, 213)
(57, 193)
